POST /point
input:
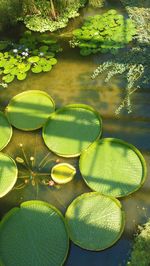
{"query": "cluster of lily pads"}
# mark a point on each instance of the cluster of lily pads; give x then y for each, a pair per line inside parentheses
(103, 33)
(110, 167)
(33, 52)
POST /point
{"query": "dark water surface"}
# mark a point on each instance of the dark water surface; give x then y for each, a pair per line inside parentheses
(70, 82)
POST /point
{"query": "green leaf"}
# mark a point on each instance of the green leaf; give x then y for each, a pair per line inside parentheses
(30, 110)
(47, 68)
(34, 234)
(113, 167)
(6, 131)
(53, 61)
(33, 59)
(21, 76)
(94, 221)
(63, 173)
(72, 129)
(37, 69)
(8, 176)
(8, 78)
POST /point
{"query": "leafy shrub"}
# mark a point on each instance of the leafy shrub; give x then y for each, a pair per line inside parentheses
(9, 12)
(33, 52)
(103, 33)
(43, 21)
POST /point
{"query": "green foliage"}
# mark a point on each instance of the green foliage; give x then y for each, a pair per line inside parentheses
(44, 21)
(103, 33)
(96, 3)
(141, 247)
(9, 12)
(134, 63)
(30, 53)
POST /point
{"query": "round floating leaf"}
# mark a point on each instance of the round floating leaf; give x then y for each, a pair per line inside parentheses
(63, 173)
(30, 110)
(36, 69)
(5, 131)
(72, 129)
(113, 167)
(34, 234)
(53, 61)
(47, 67)
(8, 174)
(33, 59)
(94, 221)
(21, 76)
(8, 78)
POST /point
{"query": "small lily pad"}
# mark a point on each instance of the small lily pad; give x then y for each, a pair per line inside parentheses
(29, 110)
(21, 76)
(33, 59)
(63, 173)
(113, 167)
(94, 221)
(34, 234)
(72, 129)
(5, 131)
(8, 174)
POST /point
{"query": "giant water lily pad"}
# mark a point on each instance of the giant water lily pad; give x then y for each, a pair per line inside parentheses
(5, 131)
(72, 129)
(30, 110)
(8, 174)
(95, 222)
(33, 234)
(113, 167)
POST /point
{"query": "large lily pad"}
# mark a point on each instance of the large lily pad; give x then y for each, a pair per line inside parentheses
(113, 167)
(29, 110)
(33, 234)
(5, 131)
(8, 174)
(95, 222)
(72, 129)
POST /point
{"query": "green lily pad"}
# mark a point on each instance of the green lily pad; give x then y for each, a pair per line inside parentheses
(8, 174)
(94, 221)
(37, 69)
(113, 167)
(47, 67)
(29, 110)
(8, 78)
(63, 173)
(21, 76)
(53, 61)
(5, 131)
(72, 129)
(34, 234)
(33, 59)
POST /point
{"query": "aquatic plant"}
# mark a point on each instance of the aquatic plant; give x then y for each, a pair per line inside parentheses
(113, 173)
(103, 33)
(141, 247)
(52, 16)
(134, 62)
(63, 173)
(41, 237)
(33, 52)
(99, 219)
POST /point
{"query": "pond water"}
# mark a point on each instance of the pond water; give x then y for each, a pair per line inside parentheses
(70, 82)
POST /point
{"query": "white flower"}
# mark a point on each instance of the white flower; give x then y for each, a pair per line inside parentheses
(15, 51)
